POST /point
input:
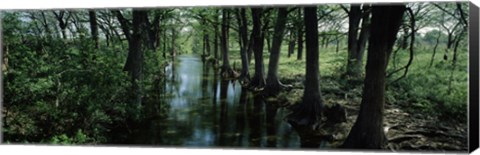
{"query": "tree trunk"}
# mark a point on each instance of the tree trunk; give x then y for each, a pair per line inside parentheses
(62, 23)
(300, 37)
(93, 26)
(435, 48)
(337, 44)
(362, 40)
(215, 41)
(367, 132)
(273, 82)
(291, 43)
(45, 25)
(204, 43)
(207, 45)
(354, 17)
(250, 48)
(308, 112)
(123, 23)
(243, 25)
(258, 80)
(226, 70)
(173, 50)
(164, 43)
(267, 38)
(134, 64)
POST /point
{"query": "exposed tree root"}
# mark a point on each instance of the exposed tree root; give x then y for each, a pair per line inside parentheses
(228, 73)
(257, 84)
(274, 88)
(244, 79)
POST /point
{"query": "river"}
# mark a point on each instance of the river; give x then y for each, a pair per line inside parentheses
(196, 108)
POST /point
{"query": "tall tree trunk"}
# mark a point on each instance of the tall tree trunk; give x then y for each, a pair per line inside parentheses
(367, 132)
(207, 45)
(45, 25)
(291, 43)
(173, 50)
(93, 26)
(215, 41)
(354, 17)
(363, 38)
(337, 43)
(299, 36)
(273, 82)
(243, 25)
(308, 112)
(435, 48)
(258, 80)
(62, 23)
(250, 47)
(124, 24)
(164, 43)
(226, 70)
(204, 43)
(134, 64)
(267, 38)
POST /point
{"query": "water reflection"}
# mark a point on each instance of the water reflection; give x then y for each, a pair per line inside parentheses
(194, 107)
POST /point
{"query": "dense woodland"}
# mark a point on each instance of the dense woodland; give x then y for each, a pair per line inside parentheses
(356, 76)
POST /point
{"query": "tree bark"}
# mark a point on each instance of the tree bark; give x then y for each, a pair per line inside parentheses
(354, 17)
(124, 24)
(215, 41)
(363, 38)
(367, 132)
(299, 37)
(273, 84)
(291, 43)
(243, 25)
(173, 50)
(226, 70)
(435, 49)
(62, 23)
(258, 80)
(134, 64)
(93, 27)
(308, 112)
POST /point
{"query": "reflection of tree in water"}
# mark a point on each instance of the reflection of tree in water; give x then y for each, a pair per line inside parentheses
(205, 77)
(223, 112)
(270, 112)
(240, 117)
(255, 122)
(214, 106)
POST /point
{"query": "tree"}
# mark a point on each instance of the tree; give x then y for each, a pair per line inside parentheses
(367, 132)
(93, 26)
(356, 44)
(258, 80)
(226, 70)
(216, 38)
(63, 21)
(300, 33)
(308, 112)
(243, 26)
(134, 64)
(273, 84)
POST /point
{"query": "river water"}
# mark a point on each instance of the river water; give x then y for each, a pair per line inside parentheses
(196, 108)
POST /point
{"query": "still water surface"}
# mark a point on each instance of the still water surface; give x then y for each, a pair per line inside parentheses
(198, 109)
